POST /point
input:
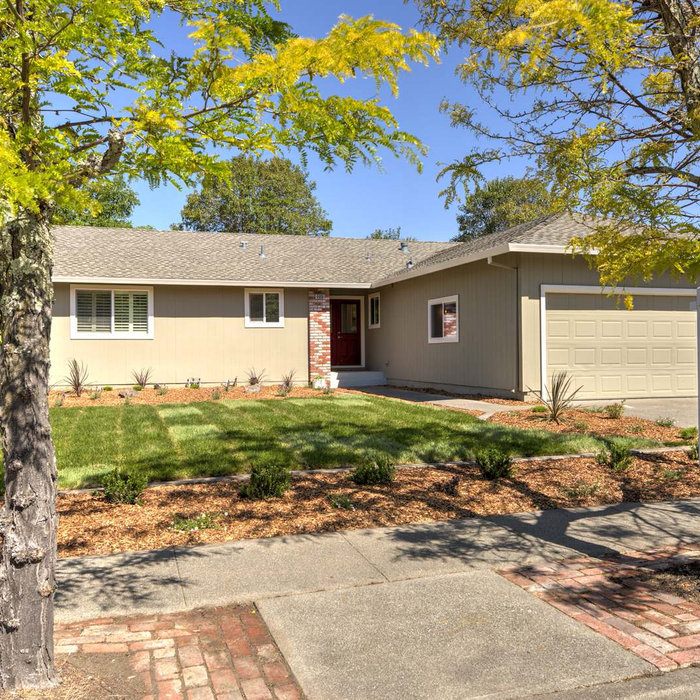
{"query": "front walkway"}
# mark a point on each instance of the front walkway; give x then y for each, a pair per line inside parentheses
(486, 408)
(411, 611)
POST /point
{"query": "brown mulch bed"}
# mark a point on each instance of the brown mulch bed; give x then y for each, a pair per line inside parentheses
(178, 394)
(90, 525)
(588, 423)
(88, 677)
(679, 578)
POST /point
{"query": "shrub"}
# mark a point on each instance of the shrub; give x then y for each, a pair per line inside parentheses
(539, 409)
(287, 384)
(255, 377)
(269, 481)
(495, 464)
(580, 425)
(141, 377)
(665, 422)
(106, 388)
(162, 390)
(581, 490)
(375, 468)
(193, 385)
(615, 457)
(615, 410)
(688, 433)
(96, 394)
(693, 452)
(124, 487)
(77, 376)
(137, 387)
(560, 396)
(203, 521)
(341, 501)
(59, 400)
(216, 394)
(672, 474)
(637, 429)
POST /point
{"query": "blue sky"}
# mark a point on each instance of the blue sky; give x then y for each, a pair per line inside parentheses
(367, 199)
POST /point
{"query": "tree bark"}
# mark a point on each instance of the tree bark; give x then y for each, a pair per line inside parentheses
(28, 521)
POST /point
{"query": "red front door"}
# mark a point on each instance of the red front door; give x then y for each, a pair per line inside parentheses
(346, 327)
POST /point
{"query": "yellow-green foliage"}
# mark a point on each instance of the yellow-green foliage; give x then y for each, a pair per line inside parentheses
(602, 99)
(103, 92)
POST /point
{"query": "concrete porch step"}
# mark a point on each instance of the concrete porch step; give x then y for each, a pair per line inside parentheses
(347, 379)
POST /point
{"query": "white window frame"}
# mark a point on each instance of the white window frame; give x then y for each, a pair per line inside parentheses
(75, 334)
(263, 324)
(444, 300)
(378, 297)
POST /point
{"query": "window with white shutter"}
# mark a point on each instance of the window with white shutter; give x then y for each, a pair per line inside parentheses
(111, 313)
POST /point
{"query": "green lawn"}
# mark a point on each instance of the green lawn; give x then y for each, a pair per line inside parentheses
(204, 439)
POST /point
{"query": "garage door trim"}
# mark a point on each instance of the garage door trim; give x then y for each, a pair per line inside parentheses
(593, 289)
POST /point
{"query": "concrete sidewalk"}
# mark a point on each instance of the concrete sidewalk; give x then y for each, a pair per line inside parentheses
(410, 611)
(250, 570)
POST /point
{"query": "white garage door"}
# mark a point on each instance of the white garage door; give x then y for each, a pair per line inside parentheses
(613, 353)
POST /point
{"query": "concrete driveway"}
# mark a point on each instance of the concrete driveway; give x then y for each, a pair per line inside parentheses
(683, 411)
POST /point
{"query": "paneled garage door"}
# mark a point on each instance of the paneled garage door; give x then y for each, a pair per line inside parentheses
(614, 353)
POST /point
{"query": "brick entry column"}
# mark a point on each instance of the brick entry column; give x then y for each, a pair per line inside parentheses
(319, 333)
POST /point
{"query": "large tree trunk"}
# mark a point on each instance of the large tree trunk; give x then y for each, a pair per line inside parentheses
(28, 521)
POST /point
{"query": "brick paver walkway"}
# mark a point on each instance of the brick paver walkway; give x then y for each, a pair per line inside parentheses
(661, 628)
(217, 653)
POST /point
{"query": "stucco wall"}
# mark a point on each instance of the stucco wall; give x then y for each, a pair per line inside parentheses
(198, 332)
(484, 359)
(538, 269)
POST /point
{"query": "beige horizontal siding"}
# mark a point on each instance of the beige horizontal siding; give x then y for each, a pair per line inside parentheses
(198, 332)
(485, 358)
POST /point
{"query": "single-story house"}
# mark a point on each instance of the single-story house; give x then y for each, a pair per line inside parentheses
(495, 315)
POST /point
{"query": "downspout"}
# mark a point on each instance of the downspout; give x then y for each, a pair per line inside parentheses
(518, 324)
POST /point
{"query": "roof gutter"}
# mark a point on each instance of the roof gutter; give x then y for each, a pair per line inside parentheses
(72, 279)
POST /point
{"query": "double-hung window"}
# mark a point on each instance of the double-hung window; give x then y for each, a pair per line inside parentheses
(264, 308)
(101, 313)
(443, 320)
(374, 311)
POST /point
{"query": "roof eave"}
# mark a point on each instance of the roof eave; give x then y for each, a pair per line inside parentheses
(72, 279)
(481, 255)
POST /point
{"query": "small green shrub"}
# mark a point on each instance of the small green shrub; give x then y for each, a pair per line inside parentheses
(672, 474)
(162, 390)
(124, 487)
(375, 468)
(615, 410)
(203, 521)
(193, 385)
(269, 481)
(137, 387)
(615, 457)
(106, 388)
(495, 464)
(341, 501)
(665, 422)
(580, 425)
(539, 408)
(688, 433)
(216, 394)
(95, 395)
(693, 452)
(637, 429)
(581, 490)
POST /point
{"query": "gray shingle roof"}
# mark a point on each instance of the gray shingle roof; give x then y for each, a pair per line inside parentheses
(553, 229)
(120, 253)
(86, 252)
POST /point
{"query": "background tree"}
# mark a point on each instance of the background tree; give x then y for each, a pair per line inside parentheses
(90, 90)
(606, 108)
(501, 203)
(259, 196)
(389, 234)
(112, 203)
